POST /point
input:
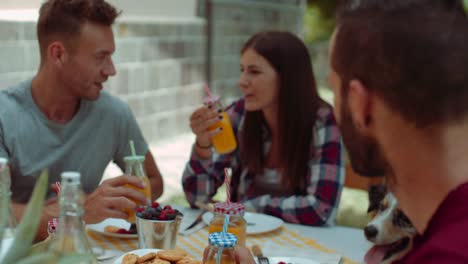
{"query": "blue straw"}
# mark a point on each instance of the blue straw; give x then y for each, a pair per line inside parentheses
(225, 227)
(218, 257)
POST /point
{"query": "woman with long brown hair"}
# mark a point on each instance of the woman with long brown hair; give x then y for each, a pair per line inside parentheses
(290, 158)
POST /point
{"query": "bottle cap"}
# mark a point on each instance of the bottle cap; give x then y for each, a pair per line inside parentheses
(218, 240)
(229, 208)
(70, 177)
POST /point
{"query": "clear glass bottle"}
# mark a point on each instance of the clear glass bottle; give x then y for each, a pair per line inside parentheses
(134, 166)
(70, 236)
(5, 179)
(237, 223)
(221, 249)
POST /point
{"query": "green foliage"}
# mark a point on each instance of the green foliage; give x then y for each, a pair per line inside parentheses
(21, 250)
(319, 20)
(26, 230)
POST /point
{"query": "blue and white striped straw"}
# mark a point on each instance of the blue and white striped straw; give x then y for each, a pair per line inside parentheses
(226, 224)
(220, 249)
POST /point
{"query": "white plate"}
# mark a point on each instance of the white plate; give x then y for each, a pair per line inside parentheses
(99, 227)
(139, 252)
(256, 223)
(292, 260)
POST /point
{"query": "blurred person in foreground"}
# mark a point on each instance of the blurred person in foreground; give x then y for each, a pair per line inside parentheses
(289, 162)
(399, 73)
(62, 120)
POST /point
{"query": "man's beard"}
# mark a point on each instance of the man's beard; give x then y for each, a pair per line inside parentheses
(364, 152)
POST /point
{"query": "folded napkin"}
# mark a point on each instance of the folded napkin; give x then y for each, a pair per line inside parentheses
(272, 250)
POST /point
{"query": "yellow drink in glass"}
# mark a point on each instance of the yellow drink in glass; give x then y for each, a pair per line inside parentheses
(225, 141)
(134, 167)
(237, 224)
(146, 191)
(238, 229)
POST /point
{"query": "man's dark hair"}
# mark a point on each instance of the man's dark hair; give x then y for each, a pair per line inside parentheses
(62, 19)
(414, 56)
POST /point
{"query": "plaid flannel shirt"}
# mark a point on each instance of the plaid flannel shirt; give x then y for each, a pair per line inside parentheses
(325, 178)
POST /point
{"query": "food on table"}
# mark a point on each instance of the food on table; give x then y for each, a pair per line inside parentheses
(157, 212)
(170, 256)
(119, 230)
(147, 257)
(130, 259)
(159, 261)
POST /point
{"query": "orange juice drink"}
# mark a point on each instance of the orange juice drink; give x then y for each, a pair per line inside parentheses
(225, 259)
(237, 224)
(146, 191)
(225, 141)
(134, 167)
(221, 249)
(237, 229)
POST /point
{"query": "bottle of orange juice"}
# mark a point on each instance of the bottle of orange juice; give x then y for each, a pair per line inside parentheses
(134, 167)
(225, 141)
(237, 224)
(221, 249)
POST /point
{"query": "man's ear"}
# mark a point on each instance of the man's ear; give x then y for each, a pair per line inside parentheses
(360, 104)
(56, 53)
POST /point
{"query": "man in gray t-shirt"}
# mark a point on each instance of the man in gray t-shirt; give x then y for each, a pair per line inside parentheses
(61, 120)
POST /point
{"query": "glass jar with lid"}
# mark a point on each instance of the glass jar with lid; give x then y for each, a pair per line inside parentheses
(237, 224)
(221, 249)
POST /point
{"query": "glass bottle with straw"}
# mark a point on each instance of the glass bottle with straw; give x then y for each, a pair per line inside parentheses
(71, 237)
(134, 166)
(221, 249)
(225, 141)
(231, 212)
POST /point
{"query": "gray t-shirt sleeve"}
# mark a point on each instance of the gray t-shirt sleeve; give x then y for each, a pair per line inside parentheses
(3, 149)
(129, 130)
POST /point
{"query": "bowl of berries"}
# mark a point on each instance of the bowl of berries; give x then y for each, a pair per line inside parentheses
(157, 226)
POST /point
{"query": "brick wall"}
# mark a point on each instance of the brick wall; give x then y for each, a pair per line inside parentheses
(233, 22)
(161, 62)
(160, 68)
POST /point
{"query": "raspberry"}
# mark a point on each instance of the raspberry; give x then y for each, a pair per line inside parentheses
(167, 207)
(122, 231)
(155, 204)
(162, 216)
(171, 211)
(281, 262)
(140, 209)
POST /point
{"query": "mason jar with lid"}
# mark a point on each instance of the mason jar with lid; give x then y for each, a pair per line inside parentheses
(221, 249)
(237, 224)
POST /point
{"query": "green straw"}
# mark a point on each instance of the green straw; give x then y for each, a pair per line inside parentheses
(132, 148)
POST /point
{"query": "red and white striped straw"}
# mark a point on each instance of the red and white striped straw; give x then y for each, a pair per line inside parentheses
(207, 90)
(227, 182)
(58, 186)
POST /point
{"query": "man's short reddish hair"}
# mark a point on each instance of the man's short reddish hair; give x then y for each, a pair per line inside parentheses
(62, 19)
